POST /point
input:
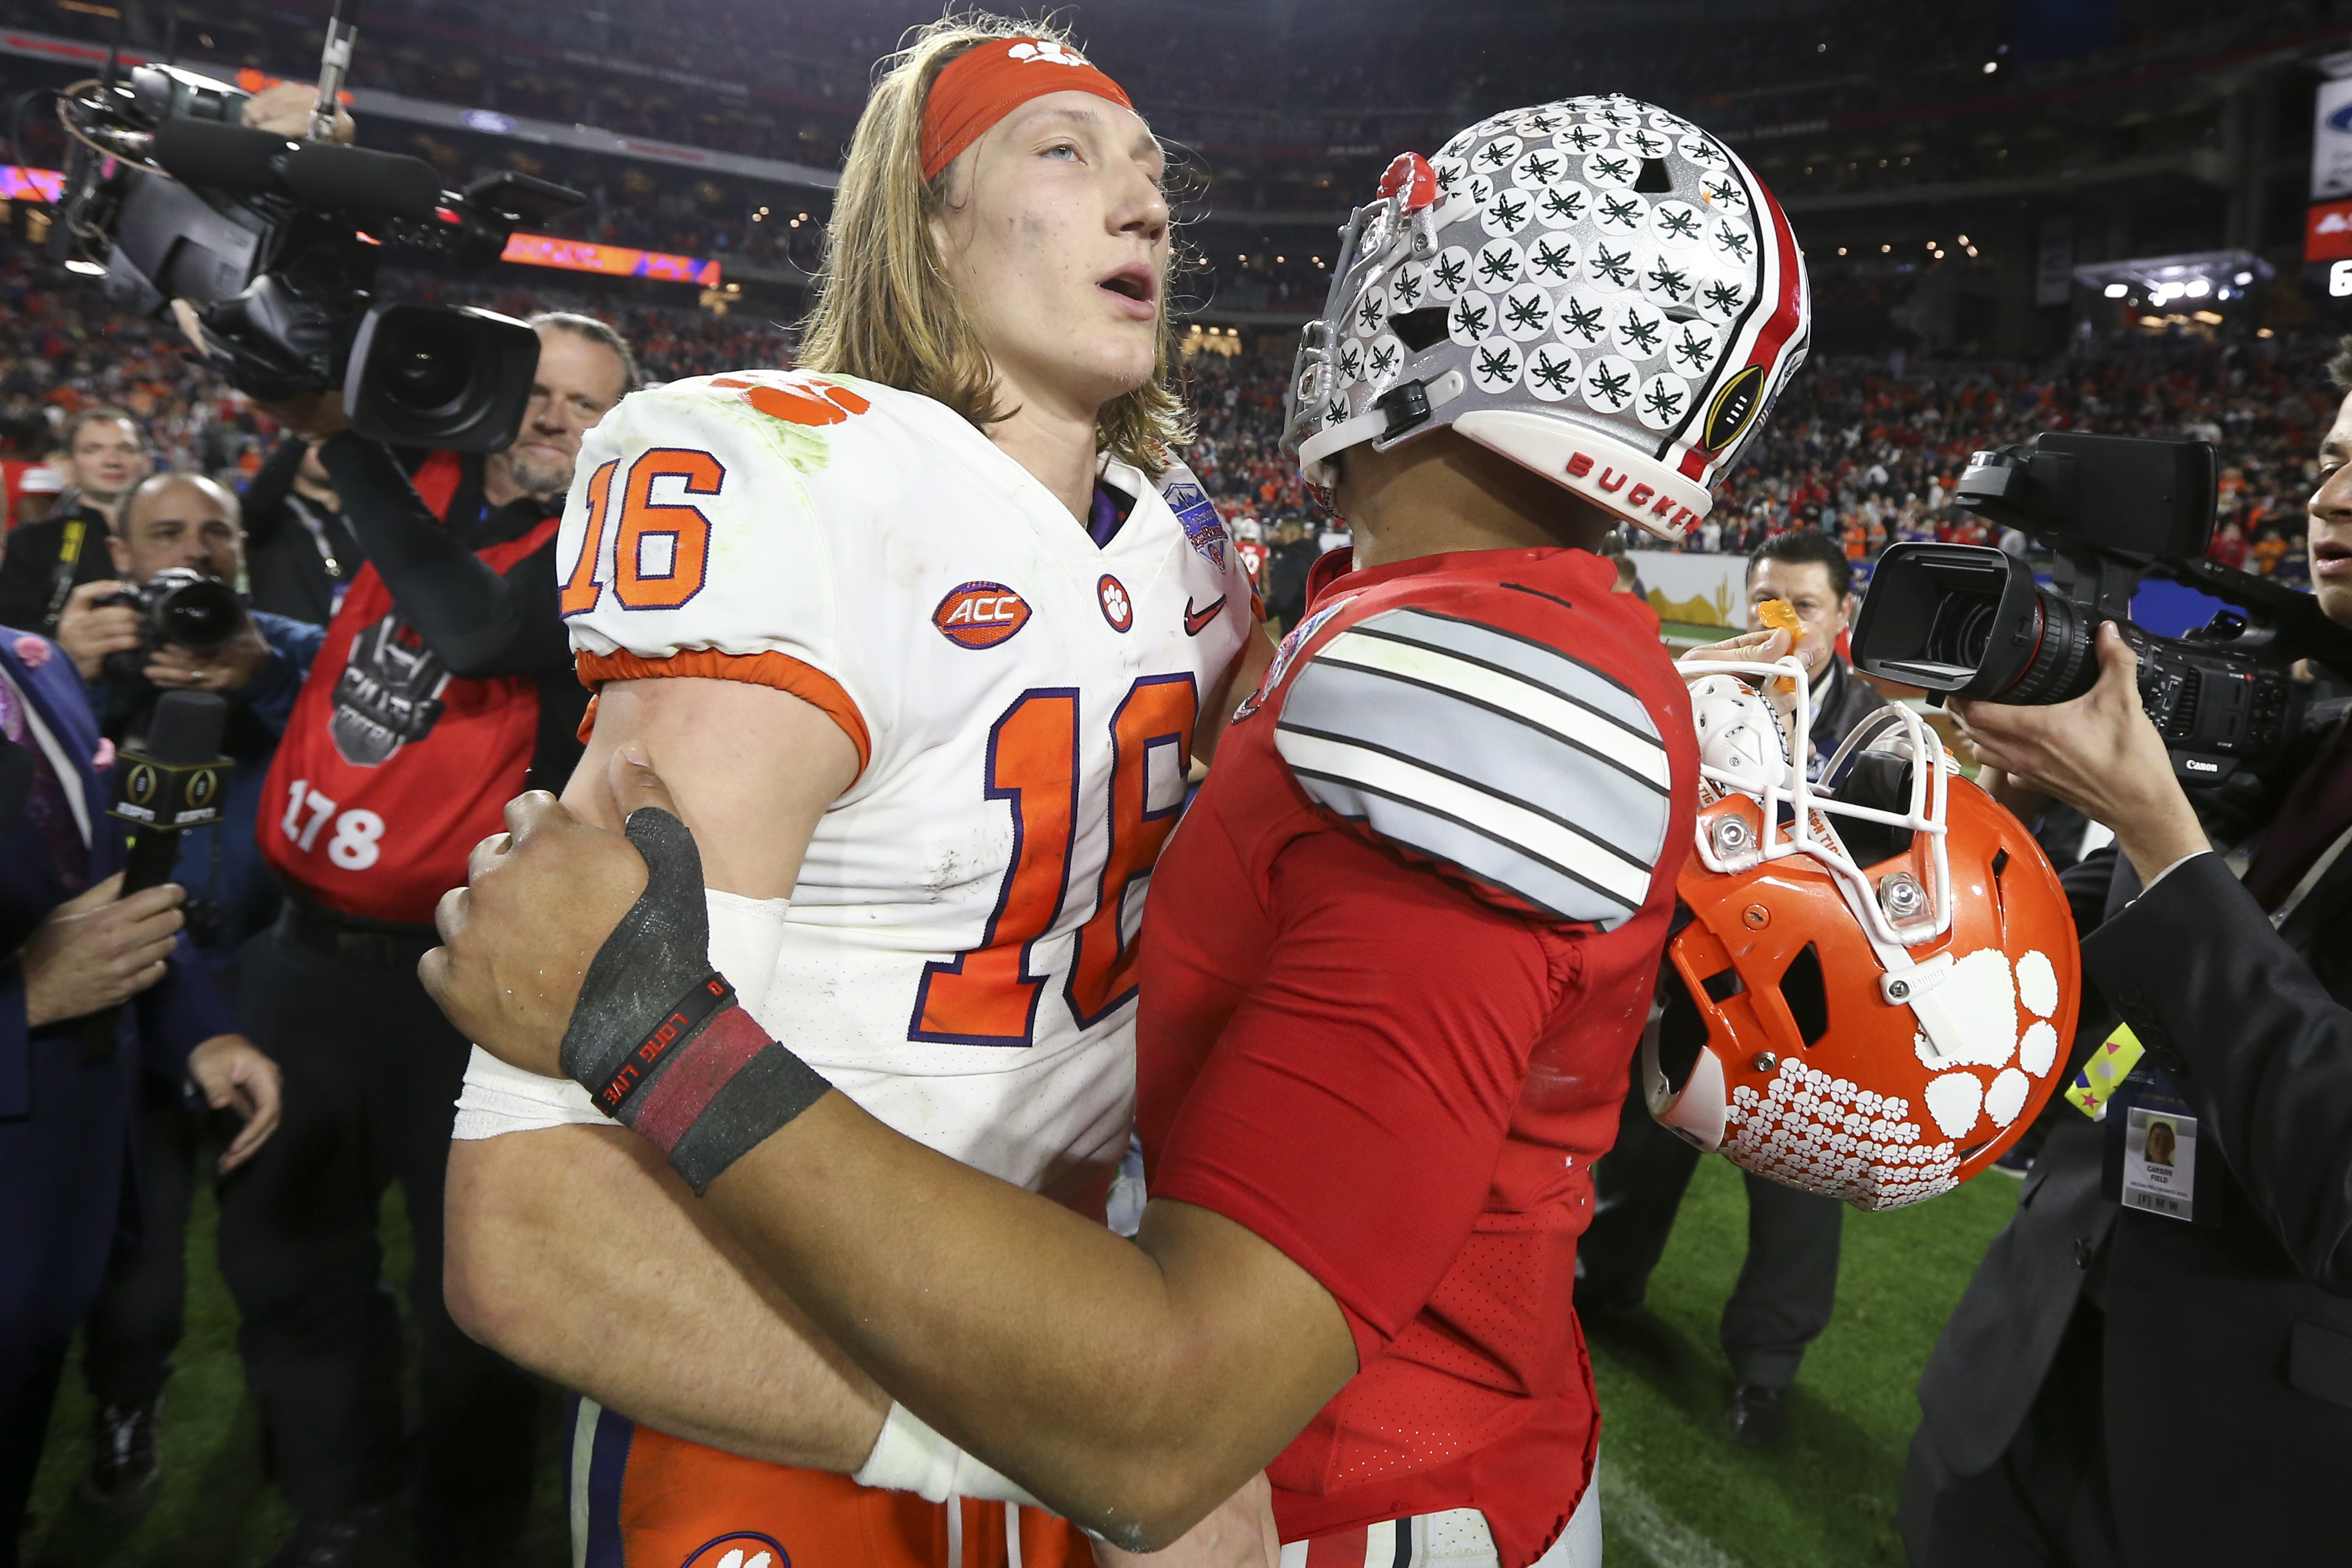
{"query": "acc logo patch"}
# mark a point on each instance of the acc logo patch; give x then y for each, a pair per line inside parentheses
(739, 1549)
(1197, 516)
(1117, 607)
(1732, 408)
(981, 615)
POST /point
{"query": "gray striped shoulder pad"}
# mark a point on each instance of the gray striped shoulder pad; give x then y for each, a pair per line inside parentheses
(1526, 769)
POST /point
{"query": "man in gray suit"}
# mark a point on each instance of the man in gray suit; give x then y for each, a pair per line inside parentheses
(2158, 1368)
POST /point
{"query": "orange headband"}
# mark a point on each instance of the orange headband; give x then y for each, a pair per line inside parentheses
(981, 85)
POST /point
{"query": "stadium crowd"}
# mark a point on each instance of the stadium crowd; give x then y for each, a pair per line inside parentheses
(1867, 451)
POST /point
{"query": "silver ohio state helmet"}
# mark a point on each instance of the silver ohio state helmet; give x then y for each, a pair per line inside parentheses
(1595, 288)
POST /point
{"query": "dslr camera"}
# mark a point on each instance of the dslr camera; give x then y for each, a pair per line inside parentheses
(275, 241)
(1969, 621)
(183, 608)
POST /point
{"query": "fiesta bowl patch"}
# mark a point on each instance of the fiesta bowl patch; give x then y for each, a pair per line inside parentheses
(981, 615)
(1197, 516)
(739, 1549)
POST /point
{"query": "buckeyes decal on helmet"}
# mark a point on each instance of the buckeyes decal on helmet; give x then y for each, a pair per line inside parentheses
(1872, 992)
(1595, 288)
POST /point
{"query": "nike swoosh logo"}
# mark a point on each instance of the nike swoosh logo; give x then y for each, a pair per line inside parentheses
(1197, 620)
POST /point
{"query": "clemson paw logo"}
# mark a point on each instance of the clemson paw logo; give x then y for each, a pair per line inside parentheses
(1045, 52)
(739, 1549)
(798, 399)
(1117, 608)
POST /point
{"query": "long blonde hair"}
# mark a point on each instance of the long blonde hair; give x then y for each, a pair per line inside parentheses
(885, 308)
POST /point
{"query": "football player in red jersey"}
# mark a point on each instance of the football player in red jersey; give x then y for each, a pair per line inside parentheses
(1397, 961)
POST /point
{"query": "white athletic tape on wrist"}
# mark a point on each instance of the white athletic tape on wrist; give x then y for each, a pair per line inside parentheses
(909, 1457)
(745, 933)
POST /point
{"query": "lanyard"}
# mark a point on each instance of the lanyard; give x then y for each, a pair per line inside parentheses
(2243, 857)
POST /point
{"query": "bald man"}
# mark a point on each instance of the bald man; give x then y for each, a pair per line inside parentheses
(176, 520)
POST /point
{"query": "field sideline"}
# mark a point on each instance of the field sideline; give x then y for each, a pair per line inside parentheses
(1675, 1493)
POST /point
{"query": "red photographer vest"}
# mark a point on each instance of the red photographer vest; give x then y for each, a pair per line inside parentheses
(391, 770)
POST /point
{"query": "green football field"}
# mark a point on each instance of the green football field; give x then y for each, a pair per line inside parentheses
(1675, 1493)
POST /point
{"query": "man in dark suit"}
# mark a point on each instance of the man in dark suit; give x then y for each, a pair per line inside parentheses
(1787, 1282)
(2123, 1384)
(69, 1162)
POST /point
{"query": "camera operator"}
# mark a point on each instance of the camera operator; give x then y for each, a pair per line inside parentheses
(444, 688)
(172, 526)
(1788, 1284)
(106, 455)
(2119, 1385)
(70, 1164)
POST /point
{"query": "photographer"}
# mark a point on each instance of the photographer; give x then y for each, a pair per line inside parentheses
(70, 1164)
(106, 455)
(175, 528)
(445, 687)
(2120, 1385)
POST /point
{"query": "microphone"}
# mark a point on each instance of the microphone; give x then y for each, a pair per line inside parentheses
(240, 160)
(172, 781)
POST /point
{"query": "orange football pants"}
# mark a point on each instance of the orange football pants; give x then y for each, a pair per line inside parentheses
(642, 1499)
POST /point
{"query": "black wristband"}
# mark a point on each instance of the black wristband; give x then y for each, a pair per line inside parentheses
(621, 1096)
(692, 1071)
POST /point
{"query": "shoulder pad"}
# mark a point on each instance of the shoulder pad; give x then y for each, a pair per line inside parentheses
(1497, 757)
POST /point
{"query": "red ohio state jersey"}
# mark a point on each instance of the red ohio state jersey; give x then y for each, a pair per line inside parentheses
(392, 768)
(1395, 962)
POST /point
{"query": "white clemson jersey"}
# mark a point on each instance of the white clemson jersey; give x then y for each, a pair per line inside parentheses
(959, 954)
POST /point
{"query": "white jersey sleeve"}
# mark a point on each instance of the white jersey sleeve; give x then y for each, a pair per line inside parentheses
(707, 530)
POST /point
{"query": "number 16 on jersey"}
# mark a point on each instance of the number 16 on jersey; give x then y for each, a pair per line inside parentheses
(990, 994)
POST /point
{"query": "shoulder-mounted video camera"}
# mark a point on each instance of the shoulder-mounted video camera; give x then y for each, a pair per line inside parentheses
(275, 241)
(1969, 621)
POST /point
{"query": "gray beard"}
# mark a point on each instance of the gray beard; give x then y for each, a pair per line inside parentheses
(552, 478)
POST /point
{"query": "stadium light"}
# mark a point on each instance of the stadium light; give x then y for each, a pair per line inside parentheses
(2163, 279)
(1990, 66)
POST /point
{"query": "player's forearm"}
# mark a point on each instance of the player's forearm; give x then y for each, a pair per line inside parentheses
(641, 1303)
(1102, 1376)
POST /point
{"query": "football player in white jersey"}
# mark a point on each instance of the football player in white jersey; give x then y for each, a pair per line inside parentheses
(928, 633)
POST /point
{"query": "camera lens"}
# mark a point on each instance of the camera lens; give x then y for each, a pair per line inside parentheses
(200, 616)
(1962, 629)
(428, 365)
(2061, 668)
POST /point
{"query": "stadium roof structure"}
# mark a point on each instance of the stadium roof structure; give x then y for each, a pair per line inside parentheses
(2206, 277)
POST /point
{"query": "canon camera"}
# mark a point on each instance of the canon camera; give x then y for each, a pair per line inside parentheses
(275, 242)
(1971, 622)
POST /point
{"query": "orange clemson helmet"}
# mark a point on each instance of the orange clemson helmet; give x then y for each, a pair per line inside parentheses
(1874, 978)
